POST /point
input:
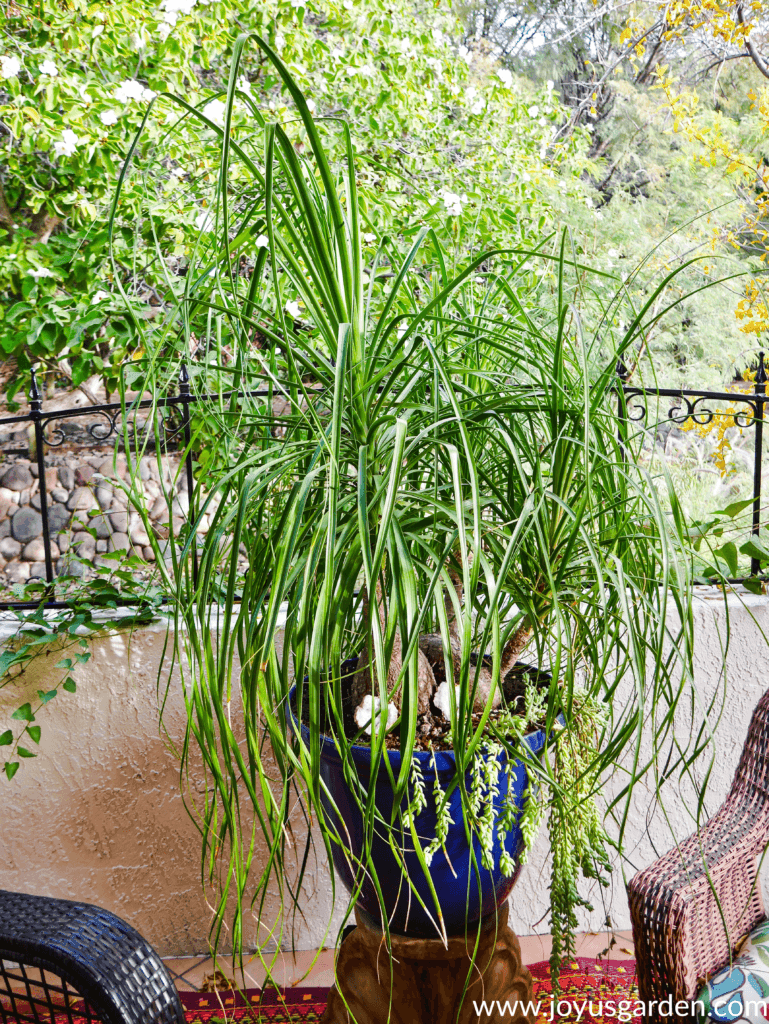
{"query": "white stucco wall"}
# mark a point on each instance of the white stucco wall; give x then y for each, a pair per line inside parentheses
(98, 816)
(651, 826)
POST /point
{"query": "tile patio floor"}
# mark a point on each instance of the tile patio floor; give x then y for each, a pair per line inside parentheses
(189, 971)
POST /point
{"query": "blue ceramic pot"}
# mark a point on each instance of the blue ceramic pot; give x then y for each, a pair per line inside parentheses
(465, 893)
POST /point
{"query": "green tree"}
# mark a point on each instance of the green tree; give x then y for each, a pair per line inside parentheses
(433, 133)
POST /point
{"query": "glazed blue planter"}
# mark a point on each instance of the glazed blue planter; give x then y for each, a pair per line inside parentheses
(466, 892)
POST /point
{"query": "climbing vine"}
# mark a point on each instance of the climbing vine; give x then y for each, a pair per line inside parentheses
(68, 632)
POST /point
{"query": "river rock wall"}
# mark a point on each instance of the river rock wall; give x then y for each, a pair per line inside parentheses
(89, 510)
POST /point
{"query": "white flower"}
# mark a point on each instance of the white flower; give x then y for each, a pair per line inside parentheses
(312, 106)
(452, 202)
(470, 93)
(549, 84)
(435, 64)
(506, 77)
(298, 3)
(363, 714)
(367, 70)
(9, 67)
(39, 272)
(98, 296)
(479, 106)
(67, 144)
(442, 699)
(244, 85)
(49, 68)
(454, 90)
(164, 31)
(131, 90)
(97, 31)
(588, 202)
(280, 41)
(369, 237)
(173, 8)
(204, 221)
(613, 254)
(108, 117)
(215, 111)
(292, 308)
(429, 96)
(262, 242)
(465, 54)
(533, 111)
(347, 4)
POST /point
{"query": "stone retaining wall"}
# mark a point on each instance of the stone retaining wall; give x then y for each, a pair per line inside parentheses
(85, 493)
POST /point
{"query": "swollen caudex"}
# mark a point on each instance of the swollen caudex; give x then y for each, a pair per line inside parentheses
(433, 697)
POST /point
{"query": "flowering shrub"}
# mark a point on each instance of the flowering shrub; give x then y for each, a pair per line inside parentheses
(439, 131)
(76, 83)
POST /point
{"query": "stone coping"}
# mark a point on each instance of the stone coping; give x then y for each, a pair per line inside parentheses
(10, 623)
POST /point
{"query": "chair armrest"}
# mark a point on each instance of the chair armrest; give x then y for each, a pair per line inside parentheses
(685, 924)
(95, 953)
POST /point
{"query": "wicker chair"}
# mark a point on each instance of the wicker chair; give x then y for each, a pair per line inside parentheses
(680, 932)
(73, 960)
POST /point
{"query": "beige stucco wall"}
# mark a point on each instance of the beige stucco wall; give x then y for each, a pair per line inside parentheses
(650, 828)
(98, 815)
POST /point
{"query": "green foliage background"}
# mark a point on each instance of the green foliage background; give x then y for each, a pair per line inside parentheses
(424, 121)
(490, 139)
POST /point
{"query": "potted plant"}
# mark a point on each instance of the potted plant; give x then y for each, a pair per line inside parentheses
(424, 488)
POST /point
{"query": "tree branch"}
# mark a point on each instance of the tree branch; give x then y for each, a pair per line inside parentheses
(6, 217)
(44, 224)
(755, 56)
(722, 60)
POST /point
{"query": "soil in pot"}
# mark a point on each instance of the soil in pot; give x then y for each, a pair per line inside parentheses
(433, 729)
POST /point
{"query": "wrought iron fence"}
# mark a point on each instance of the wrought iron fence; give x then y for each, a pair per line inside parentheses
(632, 407)
(111, 414)
(693, 405)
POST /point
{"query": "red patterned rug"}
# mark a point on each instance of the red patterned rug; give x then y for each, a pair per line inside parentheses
(591, 993)
(295, 1005)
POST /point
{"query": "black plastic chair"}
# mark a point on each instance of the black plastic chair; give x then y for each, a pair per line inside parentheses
(74, 960)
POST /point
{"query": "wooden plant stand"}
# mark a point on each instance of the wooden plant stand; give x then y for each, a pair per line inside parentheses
(425, 981)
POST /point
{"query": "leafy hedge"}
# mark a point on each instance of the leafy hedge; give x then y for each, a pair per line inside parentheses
(441, 134)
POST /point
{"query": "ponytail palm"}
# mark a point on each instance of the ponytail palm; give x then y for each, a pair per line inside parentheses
(429, 480)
